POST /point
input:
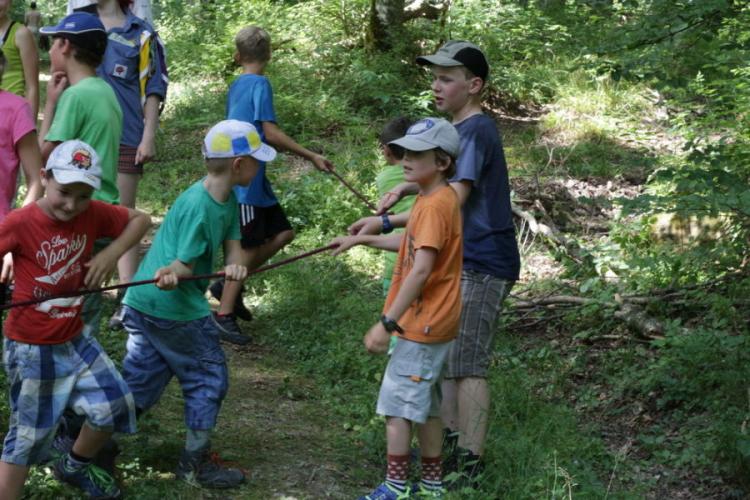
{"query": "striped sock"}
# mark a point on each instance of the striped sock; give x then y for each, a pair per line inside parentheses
(397, 472)
(432, 472)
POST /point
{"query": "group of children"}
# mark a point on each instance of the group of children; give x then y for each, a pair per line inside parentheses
(458, 246)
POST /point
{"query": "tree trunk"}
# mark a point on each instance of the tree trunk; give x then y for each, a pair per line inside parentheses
(386, 18)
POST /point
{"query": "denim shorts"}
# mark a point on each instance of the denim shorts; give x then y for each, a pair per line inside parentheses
(410, 385)
(482, 297)
(158, 349)
(45, 380)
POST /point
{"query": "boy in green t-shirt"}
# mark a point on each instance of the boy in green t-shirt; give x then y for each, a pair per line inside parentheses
(171, 333)
(79, 104)
(388, 178)
(82, 106)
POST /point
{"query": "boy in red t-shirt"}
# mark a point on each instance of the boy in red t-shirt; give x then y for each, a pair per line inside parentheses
(423, 307)
(51, 363)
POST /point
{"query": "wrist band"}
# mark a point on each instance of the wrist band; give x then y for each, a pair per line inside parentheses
(387, 226)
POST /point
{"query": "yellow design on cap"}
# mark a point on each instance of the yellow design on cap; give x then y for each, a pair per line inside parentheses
(253, 140)
(221, 143)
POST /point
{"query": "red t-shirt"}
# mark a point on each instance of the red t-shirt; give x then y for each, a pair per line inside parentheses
(48, 259)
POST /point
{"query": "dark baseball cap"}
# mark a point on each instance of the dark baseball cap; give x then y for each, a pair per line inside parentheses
(77, 23)
(459, 53)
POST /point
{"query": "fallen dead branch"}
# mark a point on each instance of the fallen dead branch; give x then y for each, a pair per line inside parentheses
(630, 309)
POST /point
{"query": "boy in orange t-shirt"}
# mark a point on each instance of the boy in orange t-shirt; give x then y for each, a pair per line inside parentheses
(423, 307)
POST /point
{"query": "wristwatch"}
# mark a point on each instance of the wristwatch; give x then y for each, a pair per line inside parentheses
(387, 226)
(390, 325)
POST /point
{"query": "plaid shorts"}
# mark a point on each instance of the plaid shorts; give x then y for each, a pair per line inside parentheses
(126, 161)
(482, 297)
(44, 380)
(410, 385)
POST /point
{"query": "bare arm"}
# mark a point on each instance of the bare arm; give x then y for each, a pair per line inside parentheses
(389, 242)
(147, 148)
(396, 193)
(374, 224)
(104, 263)
(411, 287)
(234, 270)
(57, 83)
(31, 162)
(277, 138)
(30, 63)
(377, 338)
(462, 189)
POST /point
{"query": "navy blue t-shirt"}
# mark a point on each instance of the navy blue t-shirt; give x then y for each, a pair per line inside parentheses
(489, 235)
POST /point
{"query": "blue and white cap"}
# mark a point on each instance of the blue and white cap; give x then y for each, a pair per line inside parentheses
(431, 133)
(75, 161)
(78, 23)
(231, 138)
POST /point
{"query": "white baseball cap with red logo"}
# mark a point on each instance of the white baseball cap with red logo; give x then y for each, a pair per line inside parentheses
(75, 161)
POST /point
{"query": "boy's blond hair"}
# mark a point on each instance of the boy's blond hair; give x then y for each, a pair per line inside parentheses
(253, 44)
(218, 165)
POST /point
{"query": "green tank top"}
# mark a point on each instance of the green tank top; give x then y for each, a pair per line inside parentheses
(13, 80)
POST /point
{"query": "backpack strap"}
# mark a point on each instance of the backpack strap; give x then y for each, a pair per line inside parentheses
(7, 33)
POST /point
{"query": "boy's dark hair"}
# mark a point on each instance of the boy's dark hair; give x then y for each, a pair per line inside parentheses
(443, 157)
(395, 129)
(2, 65)
(253, 44)
(89, 47)
(32, 5)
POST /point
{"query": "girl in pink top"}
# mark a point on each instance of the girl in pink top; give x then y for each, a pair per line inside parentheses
(18, 146)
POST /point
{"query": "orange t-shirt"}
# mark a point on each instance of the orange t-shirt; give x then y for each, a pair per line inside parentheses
(435, 222)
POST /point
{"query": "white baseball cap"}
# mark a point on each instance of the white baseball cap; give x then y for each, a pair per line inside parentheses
(75, 161)
(431, 133)
(231, 138)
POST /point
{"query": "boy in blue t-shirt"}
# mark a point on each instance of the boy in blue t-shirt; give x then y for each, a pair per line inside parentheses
(169, 324)
(263, 224)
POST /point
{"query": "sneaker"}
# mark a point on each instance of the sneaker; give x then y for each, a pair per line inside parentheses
(240, 310)
(384, 491)
(229, 330)
(197, 468)
(94, 481)
(63, 441)
(418, 490)
(61, 446)
(115, 322)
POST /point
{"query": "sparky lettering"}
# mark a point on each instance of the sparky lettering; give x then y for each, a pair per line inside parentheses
(58, 249)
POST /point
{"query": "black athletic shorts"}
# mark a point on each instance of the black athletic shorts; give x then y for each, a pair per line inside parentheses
(260, 224)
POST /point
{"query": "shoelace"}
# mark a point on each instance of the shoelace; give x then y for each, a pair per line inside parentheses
(100, 478)
(216, 460)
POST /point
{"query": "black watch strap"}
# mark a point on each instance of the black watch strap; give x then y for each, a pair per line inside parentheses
(387, 226)
(390, 325)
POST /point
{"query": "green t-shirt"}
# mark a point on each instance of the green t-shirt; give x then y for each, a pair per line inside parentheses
(388, 178)
(193, 231)
(89, 111)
